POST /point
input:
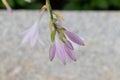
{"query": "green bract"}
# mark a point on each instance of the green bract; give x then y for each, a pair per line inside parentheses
(53, 35)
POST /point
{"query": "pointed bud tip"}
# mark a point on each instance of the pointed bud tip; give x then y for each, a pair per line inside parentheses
(83, 44)
(75, 60)
(51, 60)
(64, 63)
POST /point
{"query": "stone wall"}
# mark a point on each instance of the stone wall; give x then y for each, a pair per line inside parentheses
(98, 60)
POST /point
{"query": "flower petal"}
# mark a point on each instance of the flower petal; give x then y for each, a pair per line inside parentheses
(60, 50)
(73, 37)
(33, 40)
(25, 39)
(68, 44)
(52, 51)
(70, 53)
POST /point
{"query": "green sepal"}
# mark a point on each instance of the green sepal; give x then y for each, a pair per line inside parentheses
(50, 25)
(54, 20)
(62, 37)
(61, 29)
(53, 35)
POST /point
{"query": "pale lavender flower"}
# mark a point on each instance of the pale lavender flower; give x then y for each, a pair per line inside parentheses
(69, 45)
(63, 45)
(69, 51)
(52, 51)
(61, 49)
(73, 37)
(31, 35)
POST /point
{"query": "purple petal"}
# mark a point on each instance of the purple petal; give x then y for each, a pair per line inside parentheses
(73, 37)
(9, 9)
(31, 35)
(52, 51)
(25, 39)
(33, 40)
(68, 44)
(60, 50)
(70, 53)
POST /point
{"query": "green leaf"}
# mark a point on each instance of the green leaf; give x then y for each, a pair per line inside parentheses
(53, 35)
(102, 4)
(11, 3)
(20, 2)
(72, 6)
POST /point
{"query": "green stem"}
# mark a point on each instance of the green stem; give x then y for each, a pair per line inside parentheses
(49, 9)
(51, 14)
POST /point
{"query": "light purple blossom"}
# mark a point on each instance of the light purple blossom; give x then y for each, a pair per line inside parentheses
(73, 37)
(62, 45)
(69, 45)
(70, 53)
(31, 35)
(61, 49)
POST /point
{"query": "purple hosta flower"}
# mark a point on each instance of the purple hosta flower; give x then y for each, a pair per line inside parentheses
(73, 37)
(58, 48)
(62, 43)
(31, 35)
(52, 51)
(62, 48)
(9, 9)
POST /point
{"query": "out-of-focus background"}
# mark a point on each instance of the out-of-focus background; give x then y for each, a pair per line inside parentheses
(99, 59)
(67, 4)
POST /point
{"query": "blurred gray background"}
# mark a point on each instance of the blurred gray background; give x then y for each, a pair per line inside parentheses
(98, 60)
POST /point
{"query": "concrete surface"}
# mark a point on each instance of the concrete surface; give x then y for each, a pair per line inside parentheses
(98, 60)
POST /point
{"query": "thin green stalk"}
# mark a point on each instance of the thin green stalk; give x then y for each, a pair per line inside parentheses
(49, 9)
(51, 13)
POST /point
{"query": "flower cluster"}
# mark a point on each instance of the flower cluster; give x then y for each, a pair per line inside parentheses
(62, 41)
(61, 38)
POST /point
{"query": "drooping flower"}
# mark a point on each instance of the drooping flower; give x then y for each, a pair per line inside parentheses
(62, 43)
(52, 51)
(73, 37)
(32, 34)
(61, 49)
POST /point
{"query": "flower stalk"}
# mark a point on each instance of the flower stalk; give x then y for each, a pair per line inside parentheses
(49, 9)
(9, 9)
(61, 38)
